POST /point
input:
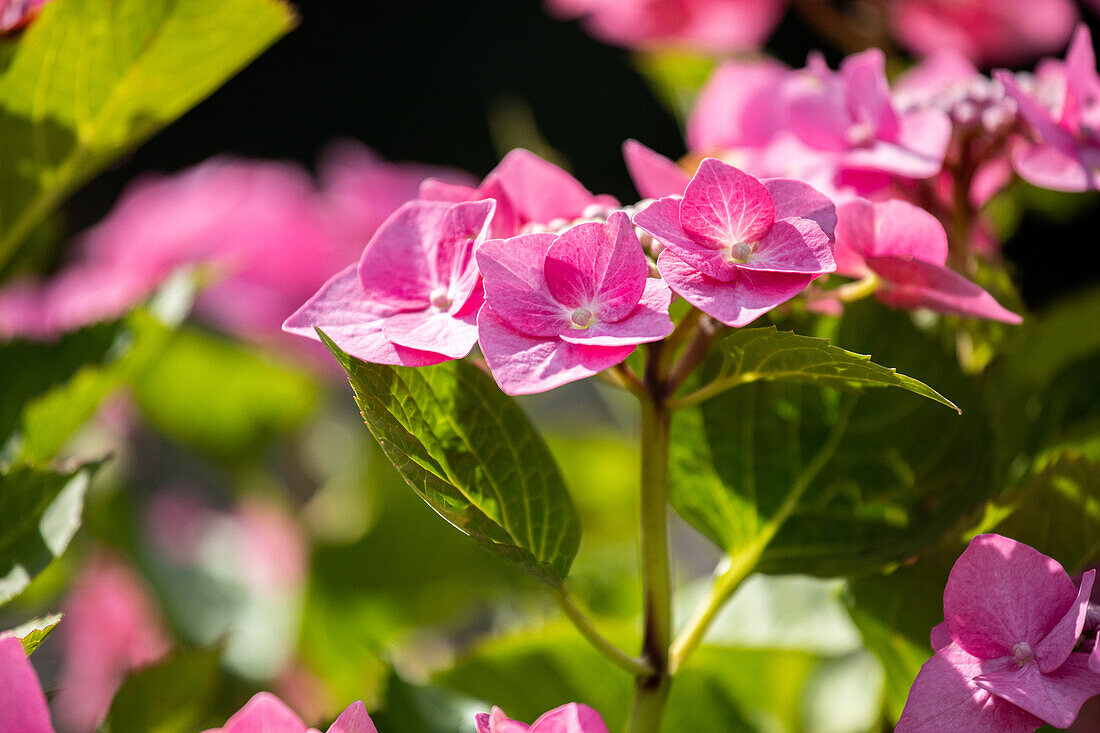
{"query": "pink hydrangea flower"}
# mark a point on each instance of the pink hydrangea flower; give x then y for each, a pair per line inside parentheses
(265, 713)
(15, 14)
(571, 718)
(906, 248)
(654, 175)
(22, 703)
(736, 247)
(709, 25)
(850, 116)
(738, 107)
(107, 595)
(562, 308)
(1061, 105)
(414, 297)
(1005, 659)
(988, 33)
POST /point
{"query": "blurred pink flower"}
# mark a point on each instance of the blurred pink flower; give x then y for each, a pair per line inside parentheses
(22, 703)
(571, 718)
(15, 14)
(111, 627)
(739, 107)
(707, 25)
(265, 713)
(988, 32)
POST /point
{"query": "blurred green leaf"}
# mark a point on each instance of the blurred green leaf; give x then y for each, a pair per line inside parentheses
(421, 709)
(222, 397)
(40, 512)
(34, 632)
(471, 453)
(676, 77)
(174, 696)
(91, 79)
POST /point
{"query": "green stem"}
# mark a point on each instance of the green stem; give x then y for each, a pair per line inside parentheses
(651, 691)
(634, 666)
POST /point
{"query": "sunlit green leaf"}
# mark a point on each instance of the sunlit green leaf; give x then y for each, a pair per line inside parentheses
(34, 632)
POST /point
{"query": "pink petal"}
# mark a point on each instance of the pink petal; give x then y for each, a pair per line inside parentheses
(905, 230)
(738, 107)
(940, 636)
(1094, 658)
(539, 190)
(353, 720)
(868, 92)
(435, 189)
(465, 227)
(497, 722)
(662, 220)
(1052, 167)
(817, 111)
(856, 230)
(1055, 698)
(1002, 592)
(343, 312)
(22, 704)
(441, 331)
(1053, 650)
(599, 266)
(516, 287)
(915, 284)
(523, 364)
(264, 713)
(648, 321)
(653, 174)
(723, 206)
(899, 158)
(571, 718)
(797, 199)
(943, 699)
(397, 268)
(735, 303)
(792, 245)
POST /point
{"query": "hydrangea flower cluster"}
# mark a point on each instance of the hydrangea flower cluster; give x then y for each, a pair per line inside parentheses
(570, 718)
(1011, 657)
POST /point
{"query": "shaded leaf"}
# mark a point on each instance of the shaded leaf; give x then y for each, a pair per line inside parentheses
(34, 632)
(173, 696)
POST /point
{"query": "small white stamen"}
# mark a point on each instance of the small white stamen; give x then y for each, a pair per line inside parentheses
(440, 298)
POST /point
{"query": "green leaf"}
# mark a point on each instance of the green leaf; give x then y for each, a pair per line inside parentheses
(34, 632)
(171, 697)
(754, 354)
(473, 456)
(90, 79)
(39, 514)
(222, 397)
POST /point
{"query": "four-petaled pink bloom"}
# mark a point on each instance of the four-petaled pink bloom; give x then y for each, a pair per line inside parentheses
(571, 718)
(414, 296)
(265, 713)
(906, 248)
(562, 308)
(1061, 106)
(22, 703)
(1005, 659)
(736, 247)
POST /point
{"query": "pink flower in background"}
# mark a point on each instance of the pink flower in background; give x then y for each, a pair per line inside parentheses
(22, 703)
(414, 297)
(571, 718)
(708, 25)
(112, 626)
(987, 32)
(265, 713)
(739, 107)
(736, 247)
(906, 248)
(15, 14)
(654, 175)
(562, 308)
(1061, 106)
(1004, 658)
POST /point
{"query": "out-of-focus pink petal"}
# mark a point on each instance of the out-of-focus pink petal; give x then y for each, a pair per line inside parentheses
(435, 189)
(856, 231)
(1056, 647)
(905, 230)
(943, 698)
(497, 722)
(396, 269)
(648, 321)
(940, 636)
(22, 704)
(264, 713)
(1054, 168)
(353, 720)
(1001, 593)
(797, 199)
(723, 206)
(792, 245)
(515, 284)
(735, 303)
(571, 718)
(929, 77)
(441, 331)
(540, 190)
(653, 174)
(909, 283)
(868, 92)
(522, 364)
(348, 317)
(738, 107)
(598, 265)
(1056, 697)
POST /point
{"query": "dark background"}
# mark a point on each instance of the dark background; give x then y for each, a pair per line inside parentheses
(415, 81)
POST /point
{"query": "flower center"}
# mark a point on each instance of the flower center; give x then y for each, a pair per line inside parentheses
(1022, 652)
(740, 252)
(582, 318)
(440, 298)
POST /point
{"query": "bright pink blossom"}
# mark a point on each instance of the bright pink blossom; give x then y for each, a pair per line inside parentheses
(1006, 663)
(1061, 106)
(571, 718)
(15, 14)
(22, 703)
(988, 32)
(562, 308)
(112, 626)
(906, 248)
(736, 247)
(414, 297)
(265, 713)
(709, 25)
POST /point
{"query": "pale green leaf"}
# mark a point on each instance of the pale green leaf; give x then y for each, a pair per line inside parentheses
(34, 632)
